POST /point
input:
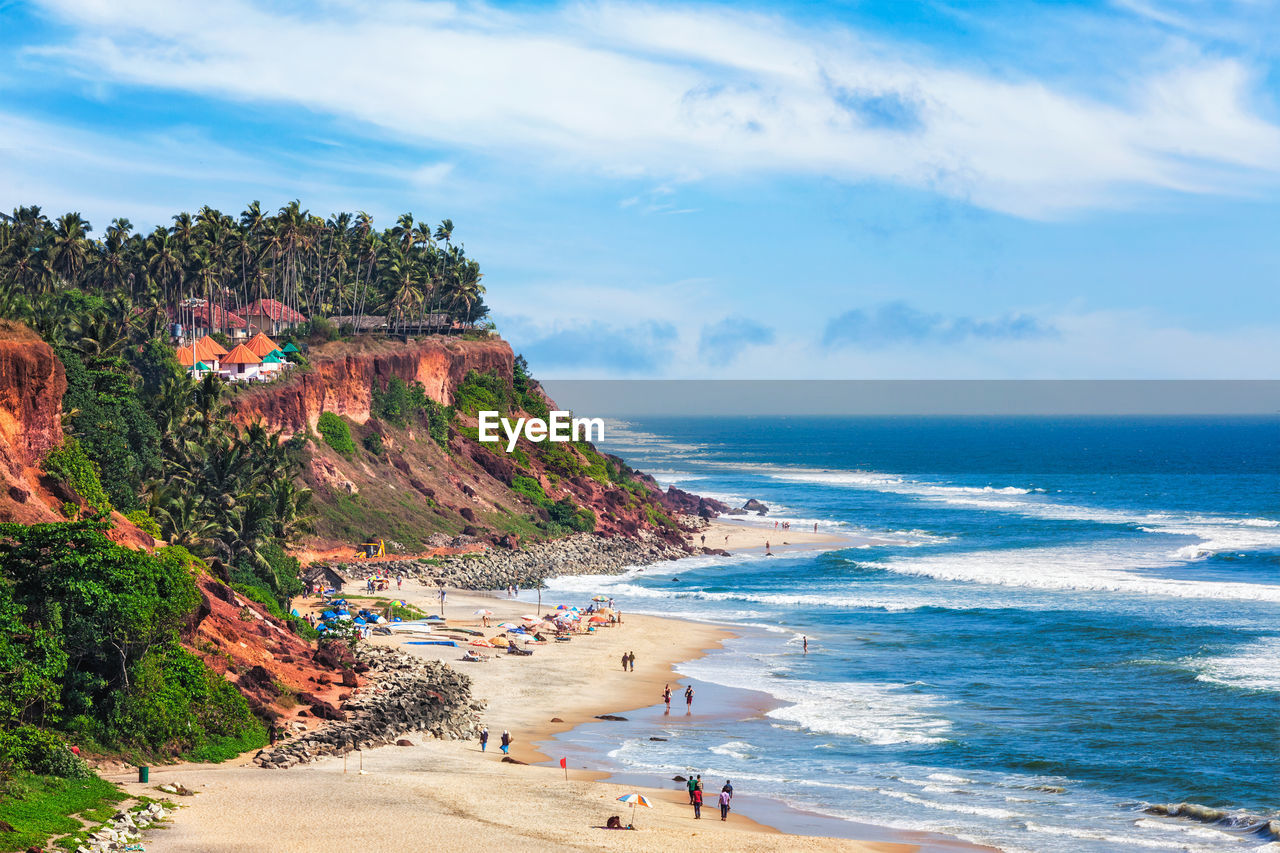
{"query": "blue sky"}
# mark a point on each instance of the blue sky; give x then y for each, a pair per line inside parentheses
(789, 190)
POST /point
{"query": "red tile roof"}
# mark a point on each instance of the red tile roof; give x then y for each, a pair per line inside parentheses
(277, 311)
(222, 319)
(217, 348)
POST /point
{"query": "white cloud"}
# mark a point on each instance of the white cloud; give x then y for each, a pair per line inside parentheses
(677, 92)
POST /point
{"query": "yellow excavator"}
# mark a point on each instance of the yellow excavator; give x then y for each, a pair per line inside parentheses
(371, 549)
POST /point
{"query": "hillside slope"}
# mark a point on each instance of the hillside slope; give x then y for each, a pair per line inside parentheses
(418, 492)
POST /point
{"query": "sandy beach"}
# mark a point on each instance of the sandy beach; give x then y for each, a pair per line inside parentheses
(751, 534)
(450, 792)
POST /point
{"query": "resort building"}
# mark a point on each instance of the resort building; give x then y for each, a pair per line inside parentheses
(271, 316)
(241, 365)
(204, 355)
(207, 318)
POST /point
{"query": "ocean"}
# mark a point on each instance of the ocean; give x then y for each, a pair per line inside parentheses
(1046, 626)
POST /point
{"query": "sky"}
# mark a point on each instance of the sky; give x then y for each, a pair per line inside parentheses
(839, 190)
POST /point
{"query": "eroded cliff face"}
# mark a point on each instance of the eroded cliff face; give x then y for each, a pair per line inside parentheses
(341, 377)
(32, 382)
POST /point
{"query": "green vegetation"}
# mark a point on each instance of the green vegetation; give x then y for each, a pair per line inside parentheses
(145, 523)
(401, 404)
(412, 272)
(104, 411)
(373, 443)
(483, 392)
(89, 649)
(336, 433)
(38, 807)
(562, 515)
(72, 466)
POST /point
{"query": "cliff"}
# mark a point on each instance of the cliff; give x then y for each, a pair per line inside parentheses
(32, 383)
(340, 378)
(417, 495)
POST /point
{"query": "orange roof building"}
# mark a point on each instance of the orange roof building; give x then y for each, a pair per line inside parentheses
(241, 355)
(217, 348)
(261, 345)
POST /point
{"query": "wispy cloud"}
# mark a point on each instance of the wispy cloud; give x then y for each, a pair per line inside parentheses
(673, 93)
(721, 343)
(897, 323)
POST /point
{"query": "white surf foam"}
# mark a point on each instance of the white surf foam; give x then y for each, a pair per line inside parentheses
(1085, 568)
(1254, 666)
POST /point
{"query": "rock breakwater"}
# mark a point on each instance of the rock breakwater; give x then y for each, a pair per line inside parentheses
(584, 554)
(407, 695)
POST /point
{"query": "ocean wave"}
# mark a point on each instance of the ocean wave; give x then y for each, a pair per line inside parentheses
(736, 749)
(1236, 822)
(1253, 666)
(1219, 533)
(1074, 568)
(882, 714)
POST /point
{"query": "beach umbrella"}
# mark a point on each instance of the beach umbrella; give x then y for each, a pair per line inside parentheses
(508, 625)
(635, 800)
(598, 619)
(562, 607)
(499, 641)
(599, 598)
(529, 618)
(483, 612)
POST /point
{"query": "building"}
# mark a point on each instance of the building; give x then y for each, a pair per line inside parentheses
(206, 318)
(271, 316)
(241, 365)
(206, 352)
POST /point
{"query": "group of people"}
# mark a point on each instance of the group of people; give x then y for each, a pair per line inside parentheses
(688, 697)
(505, 745)
(513, 591)
(695, 797)
(629, 662)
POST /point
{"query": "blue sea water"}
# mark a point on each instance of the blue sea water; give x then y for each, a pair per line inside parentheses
(1050, 625)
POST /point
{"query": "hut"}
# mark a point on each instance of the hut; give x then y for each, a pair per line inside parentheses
(241, 364)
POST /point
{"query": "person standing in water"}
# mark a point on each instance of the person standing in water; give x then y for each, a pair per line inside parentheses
(666, 697)
(688, 699)
(806, 645)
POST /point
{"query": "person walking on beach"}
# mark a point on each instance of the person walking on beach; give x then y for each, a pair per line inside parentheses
(815, 527)
(666, 697)
(697, 804)
(725, 797)
(626, 656)
(728, 786)
(399, 582)
(766, 548)
(692, 784)
(631, 660)
(484, 738)
(506, 742)
(688, 699)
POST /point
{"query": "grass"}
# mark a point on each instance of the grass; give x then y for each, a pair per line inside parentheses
(40, 807)
(401, 517)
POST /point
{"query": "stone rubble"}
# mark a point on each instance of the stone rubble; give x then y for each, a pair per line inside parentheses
(407, 695)
(124, 831)
(583, 554)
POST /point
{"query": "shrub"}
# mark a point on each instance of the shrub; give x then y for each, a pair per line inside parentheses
(145, 523)
(43, 752)
(373, 443)
(336, 433)
(530, 488)
(69, 464)
(402, 403)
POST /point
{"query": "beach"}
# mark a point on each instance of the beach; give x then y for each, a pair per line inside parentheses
(452, 792)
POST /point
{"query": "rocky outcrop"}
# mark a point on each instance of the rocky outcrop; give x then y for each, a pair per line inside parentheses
(407, 694)
(341, 377)
(687, 503)
(584, 554)
(124, 831)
